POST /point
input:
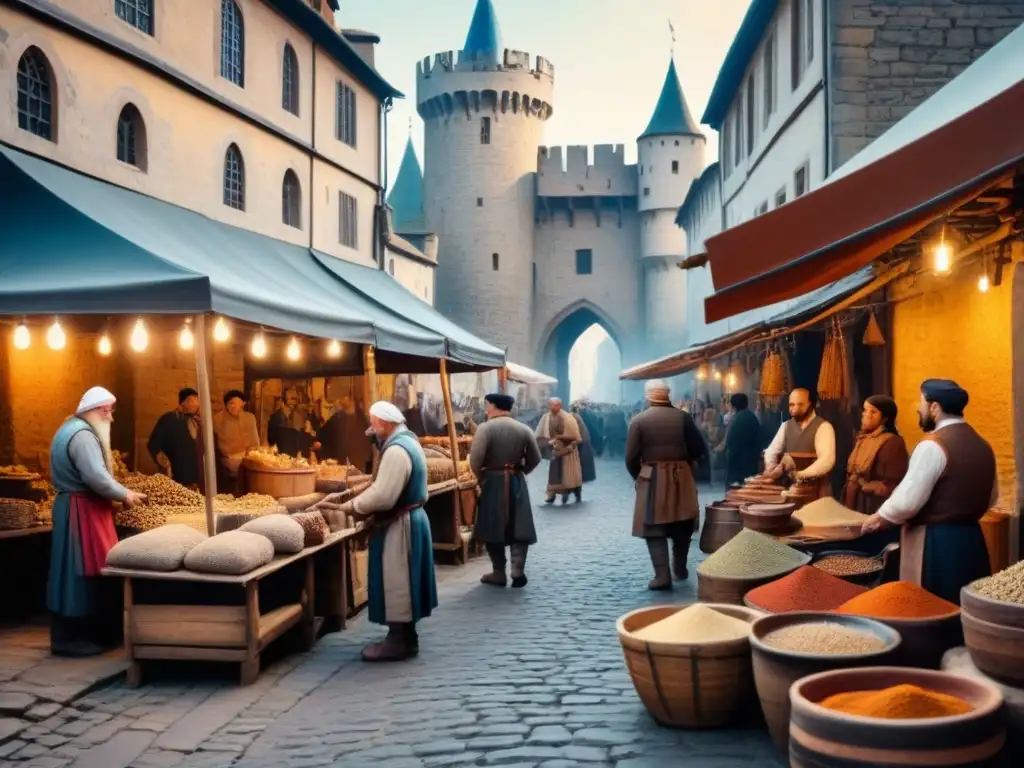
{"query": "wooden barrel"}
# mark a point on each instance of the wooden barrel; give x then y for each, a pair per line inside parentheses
(689, 685)
(725, 589)
(824, 738)
(722, 521)
(279, 483)
(996, 650)
(776, 670)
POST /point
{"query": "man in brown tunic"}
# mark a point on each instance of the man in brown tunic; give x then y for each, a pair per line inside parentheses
(559, 431)
(662, 446)
(804, 435)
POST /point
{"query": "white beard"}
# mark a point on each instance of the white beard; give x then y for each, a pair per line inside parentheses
(101, 427)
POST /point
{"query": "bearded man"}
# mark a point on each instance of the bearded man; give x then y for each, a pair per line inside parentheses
(560, 432)
(804, 433)
(402, 585)
(950, 484)
(81, 469)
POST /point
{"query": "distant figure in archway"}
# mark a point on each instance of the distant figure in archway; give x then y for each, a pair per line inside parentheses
(662, 449)
(560, 431)
(615, 432)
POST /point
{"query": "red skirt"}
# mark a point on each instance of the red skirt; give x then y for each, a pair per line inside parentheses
(92, 525)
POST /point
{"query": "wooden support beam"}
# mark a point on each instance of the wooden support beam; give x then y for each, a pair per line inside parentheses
(206, 420)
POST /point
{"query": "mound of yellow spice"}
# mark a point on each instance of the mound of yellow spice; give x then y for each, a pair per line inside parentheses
(901, 702)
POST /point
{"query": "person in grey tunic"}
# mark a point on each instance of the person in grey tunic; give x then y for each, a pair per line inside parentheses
(504, 452)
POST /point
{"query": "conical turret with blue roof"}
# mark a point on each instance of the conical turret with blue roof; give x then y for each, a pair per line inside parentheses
(406, 198)
(671, 115)
(483, 40)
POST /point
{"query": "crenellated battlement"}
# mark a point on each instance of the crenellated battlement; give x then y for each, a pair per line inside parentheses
(454, 83)
(568, 172)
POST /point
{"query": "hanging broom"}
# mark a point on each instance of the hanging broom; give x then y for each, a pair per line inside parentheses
(773, 380)
(832, 379)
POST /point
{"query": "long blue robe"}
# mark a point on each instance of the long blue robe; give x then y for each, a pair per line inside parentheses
(421, 546)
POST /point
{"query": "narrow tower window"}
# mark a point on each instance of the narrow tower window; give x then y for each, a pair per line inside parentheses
(35, 104)
(494, 262)
(485, 130)
(675, 166)
(584, 261)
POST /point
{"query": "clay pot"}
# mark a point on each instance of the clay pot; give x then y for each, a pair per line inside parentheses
(926, 640)
(722, 521)
(996, 649)
(726, 589)
(776, 670)
(825, 738)
(695, 685)
(770, 519)
(987, 609)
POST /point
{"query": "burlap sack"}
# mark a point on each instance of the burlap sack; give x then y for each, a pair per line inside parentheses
(287, 536)
(161, 549)
(314, 527)
(232, 553)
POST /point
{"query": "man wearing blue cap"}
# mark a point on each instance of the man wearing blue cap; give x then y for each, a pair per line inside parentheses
(950, 484)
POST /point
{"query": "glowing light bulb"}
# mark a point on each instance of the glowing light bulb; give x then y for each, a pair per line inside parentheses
(701, 374)
(22, 337)
(983, 284)
(294, 353)
(55, 338)
(221, 331)
(104, 346)
(731, 380)
(185, 340)
(943, 258)
(334, 349)
(718, 375)
(139, 339)
(259, 346)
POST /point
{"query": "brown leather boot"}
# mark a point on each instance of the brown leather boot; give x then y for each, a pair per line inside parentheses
(658, 550)
(412, 639)
(680, 549)
(496, 578)
(394, 647)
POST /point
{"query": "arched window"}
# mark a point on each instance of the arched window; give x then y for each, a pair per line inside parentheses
(35, 94)
(232, 43)
(290, 80)
(291, 200)
(234, 179)
(131, 137)
(138, 13)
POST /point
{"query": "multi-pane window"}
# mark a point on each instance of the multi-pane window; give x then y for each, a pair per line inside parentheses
(131, 137)
(751, 123)
(290, 80)
(138, 13)
(232, 43)
(769, 78)
(234, 179)
(800, 181)
(345, 120)
(348, 225)
(780, 197)
(485, 130)
(801, 38)
(291, 200)
(35, 100)
(584, 261)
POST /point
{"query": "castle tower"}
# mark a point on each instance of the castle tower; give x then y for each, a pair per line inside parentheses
(484, 112)
(406, 197)
(670, 156)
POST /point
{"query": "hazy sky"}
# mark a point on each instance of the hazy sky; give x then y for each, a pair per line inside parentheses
(610, 57)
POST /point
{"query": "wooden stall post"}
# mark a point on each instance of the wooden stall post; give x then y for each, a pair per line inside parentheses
(206, 418)
(446, 392)
(370, 393)
(503, 380)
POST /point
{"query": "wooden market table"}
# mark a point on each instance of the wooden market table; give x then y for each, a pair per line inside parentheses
(451, 522)
(184, 615)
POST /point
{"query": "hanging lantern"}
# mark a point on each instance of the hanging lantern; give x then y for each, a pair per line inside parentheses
(55, 337)
(873, 333)
(294, 351)
(259, 346)
(185, 340)
(139, 338)
(104, 347)
(221, 330)
(22, 337)
(334, 349)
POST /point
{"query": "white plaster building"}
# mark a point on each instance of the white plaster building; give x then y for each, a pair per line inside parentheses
(534, 244)
(255, 113)
(806, 85)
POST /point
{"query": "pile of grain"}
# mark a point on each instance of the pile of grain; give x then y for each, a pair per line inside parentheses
(823, 637)
(898, 600)
(169, 502)
(161, 490)
(848, 565)
(270, 458)
(826, 512)
(806, 589)
(1006, 586)
(696, 624)
(751, 555)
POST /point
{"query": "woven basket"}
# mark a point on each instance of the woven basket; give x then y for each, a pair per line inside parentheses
(696, 685)
(16, 514)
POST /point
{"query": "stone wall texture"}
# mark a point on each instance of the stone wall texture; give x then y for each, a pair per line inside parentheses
(888, 56)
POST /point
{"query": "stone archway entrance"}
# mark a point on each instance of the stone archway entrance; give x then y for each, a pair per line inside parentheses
(561, 337)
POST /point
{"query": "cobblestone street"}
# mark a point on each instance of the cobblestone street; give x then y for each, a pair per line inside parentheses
(531, 677)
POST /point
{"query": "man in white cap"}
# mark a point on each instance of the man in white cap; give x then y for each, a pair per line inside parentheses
(82, 471)
(402, 585)
(561, 432)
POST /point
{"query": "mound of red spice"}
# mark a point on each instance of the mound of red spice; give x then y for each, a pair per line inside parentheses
(806, 589)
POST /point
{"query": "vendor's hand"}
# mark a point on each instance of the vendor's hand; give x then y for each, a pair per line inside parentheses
(797, 477)
(774, 473)
(317, 446)
(873, 524)
(133, 499)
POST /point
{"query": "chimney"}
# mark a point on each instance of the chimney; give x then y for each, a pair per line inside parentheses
(362, 41)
